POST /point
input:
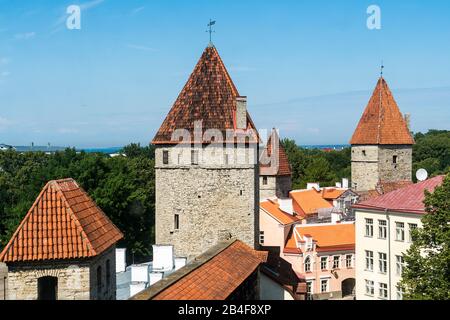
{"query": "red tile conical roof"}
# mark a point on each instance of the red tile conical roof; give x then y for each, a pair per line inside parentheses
(281, 166)
(382, 122)
(208, 96)
(63, 223)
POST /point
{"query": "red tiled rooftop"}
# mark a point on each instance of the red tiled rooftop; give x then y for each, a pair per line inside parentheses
(309, 201)
(406, 199)
(217, 278)
(280, 166)
(63, 223)
(382, 122)
(208, 96)
(273, 209)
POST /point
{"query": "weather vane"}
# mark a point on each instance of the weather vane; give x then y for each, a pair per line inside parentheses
(382, 67)
(210, 30)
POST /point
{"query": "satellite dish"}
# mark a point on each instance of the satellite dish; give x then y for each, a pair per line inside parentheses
(421, 174)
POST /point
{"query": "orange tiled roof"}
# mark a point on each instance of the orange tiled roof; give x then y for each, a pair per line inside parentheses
(208, 96)
(217, 278)
(332, 193)
(273, 209)
(310, 201)
(281, 165)
(382, 122)
(63, 223)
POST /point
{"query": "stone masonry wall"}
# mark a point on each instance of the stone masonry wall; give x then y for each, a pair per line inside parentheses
(107, 291)
(364, 167)
(267, 190)
(284, 185)
(402, 170)
(213, 199)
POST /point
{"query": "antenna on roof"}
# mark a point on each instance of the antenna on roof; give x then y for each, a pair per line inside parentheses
(210, 30)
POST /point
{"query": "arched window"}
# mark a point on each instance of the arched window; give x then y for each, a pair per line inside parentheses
(99, 281)
(108, 273)
(307, 264)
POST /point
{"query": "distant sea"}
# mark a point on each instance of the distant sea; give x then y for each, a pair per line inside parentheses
(111, 150)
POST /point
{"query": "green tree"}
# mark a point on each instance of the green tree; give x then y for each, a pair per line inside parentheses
(426, 275)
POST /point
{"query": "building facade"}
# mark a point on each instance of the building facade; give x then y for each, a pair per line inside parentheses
(383, 235)
(382, 143)
(207, 177)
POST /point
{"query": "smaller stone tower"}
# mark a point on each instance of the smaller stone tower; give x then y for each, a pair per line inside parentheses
(274, 169)
(382, 143)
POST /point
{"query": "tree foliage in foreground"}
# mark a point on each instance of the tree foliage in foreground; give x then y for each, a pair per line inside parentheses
(124, 187)
(427, 275)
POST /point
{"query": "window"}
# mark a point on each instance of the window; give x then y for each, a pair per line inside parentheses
(399, 292)
(336, 262)
(369, 260)
(370, 290)
(400, 231)
(382, 229)
(264, 180)
(308, 264)
(194, 157)
(324, 285)
(383, 291)
(261, 237)
(400, 264)
(176, 223)
(309, 290)
(394, 159)
(47, 288)
(348, 260)
(412, 227)
(369, 227)
(108, 273)
(99, 281)
(382, 262)
(323, 263)
(165, 157)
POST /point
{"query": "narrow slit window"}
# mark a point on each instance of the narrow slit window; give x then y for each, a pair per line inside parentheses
(177, 222)
(165, 157)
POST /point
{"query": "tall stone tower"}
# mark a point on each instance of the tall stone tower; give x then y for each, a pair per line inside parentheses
(275, 171)
(206, 163)
(382, 143)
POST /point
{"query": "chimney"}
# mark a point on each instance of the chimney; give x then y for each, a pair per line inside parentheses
(345, 183)
(408, 120)
(241, 112)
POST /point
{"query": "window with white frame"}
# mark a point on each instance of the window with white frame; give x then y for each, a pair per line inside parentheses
(382, 291)
(369, 227)
(324, 263)
(324, 285)
(369, 260)
(309, 290)
(411, 227)
(370, 287)
(349, 260)
(308, 264)
(382, 262)
(400, 264)
(336, 262)
(382, 229)
(399, 231)
(399, 292)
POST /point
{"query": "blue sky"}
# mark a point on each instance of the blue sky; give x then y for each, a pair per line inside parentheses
(307, 67)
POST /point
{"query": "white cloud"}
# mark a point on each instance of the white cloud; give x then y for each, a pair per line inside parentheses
(142, 48)
(137, 10)
(25, 36)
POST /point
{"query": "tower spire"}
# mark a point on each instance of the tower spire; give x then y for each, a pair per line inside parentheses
(211, 31)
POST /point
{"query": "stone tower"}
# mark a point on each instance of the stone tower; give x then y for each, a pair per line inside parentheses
(274, 169)
(206, 164)
(382, 143)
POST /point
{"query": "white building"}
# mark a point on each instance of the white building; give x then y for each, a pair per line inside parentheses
(383, 227)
